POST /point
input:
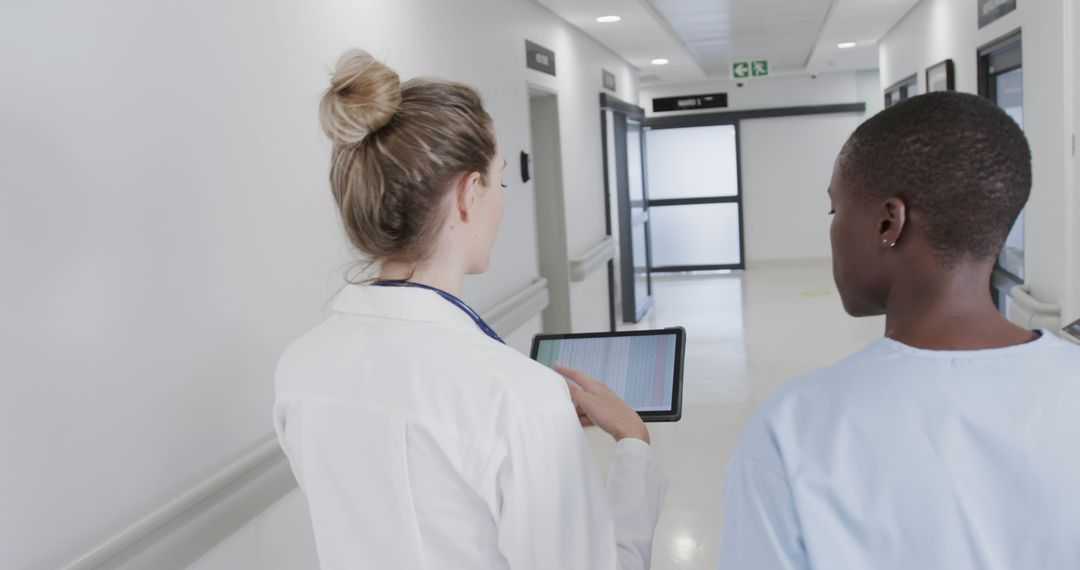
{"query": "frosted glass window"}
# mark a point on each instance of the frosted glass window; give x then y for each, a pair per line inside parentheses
(633, 163)
(641, 272)
(1010, 97)
(638, 236)
(1010, 94)
(701, 234)
(693, 162)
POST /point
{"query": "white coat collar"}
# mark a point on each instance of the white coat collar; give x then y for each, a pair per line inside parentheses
(402, 303)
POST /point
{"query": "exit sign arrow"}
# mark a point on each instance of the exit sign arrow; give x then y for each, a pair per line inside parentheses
(740, 69)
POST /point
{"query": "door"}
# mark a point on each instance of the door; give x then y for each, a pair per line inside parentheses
(1001, 79)
(626, 192)
(550, 210)
(695, 199)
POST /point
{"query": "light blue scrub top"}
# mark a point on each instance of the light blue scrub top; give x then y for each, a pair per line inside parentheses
(900, 458)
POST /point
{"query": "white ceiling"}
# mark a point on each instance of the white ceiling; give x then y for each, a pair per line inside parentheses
(701, 38)
(721, 32)
(864, 22)
(641, 36)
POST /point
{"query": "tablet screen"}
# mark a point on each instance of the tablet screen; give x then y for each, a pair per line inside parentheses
(642, 367)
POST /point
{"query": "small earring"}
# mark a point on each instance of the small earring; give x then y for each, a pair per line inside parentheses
(884, 242)
(893, 244)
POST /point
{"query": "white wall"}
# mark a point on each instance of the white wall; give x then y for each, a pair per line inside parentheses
(279, 539)
(1073, 63)
(786, 162)
(786, 166)
(589, 298)
(948, 29)
(166, 227)
(868, 87)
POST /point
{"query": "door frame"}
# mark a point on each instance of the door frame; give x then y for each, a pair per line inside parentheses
(1002, 280)
(545, 145)
(633, 309)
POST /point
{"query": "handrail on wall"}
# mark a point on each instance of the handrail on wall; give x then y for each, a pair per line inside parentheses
(516, 310)
(177, 533)
(582, 266)
(195, 521)
(1032, 313)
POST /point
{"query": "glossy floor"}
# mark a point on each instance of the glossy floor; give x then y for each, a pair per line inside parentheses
(746, 334)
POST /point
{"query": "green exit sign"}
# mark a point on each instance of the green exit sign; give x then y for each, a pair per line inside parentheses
(744, 69)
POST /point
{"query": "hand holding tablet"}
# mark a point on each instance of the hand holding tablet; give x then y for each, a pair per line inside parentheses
(597, 405)
(643, 368)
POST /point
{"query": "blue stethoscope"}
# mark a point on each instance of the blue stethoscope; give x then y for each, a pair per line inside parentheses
(454, 300)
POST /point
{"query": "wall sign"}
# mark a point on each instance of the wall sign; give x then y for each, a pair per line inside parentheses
(609, 80)
(990, 10)
(904, 89)
(687, 102)
(941, 77)
(744, 69)
(539, 58)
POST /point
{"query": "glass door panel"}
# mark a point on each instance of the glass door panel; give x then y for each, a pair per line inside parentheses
(700, 234)
(1009, 90)
(693, 163)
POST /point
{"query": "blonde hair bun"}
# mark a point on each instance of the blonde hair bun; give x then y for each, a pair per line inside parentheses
(398, 149)
(362, 98)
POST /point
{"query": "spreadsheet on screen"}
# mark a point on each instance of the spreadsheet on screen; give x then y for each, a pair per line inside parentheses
(640, 369)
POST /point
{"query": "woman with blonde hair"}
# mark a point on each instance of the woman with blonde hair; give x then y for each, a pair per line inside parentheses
(419, 438)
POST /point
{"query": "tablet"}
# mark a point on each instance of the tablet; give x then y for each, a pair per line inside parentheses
(1073, 329)
(643, 367)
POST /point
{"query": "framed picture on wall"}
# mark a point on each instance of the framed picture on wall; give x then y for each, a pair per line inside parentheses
(990, 10)
(897, 92)
(941, 77)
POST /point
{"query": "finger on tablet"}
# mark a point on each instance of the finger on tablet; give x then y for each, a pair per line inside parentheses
(579, 378)
(569, 374)
(577, 394)
(573, 387)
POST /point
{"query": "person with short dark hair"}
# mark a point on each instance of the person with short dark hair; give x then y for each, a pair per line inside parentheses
(952, 441)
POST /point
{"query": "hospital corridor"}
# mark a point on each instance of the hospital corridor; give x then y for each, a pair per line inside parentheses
(540, 284)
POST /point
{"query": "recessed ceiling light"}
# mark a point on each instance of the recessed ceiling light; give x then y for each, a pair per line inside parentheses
(660, 61)
(608, 19)
(845, 45)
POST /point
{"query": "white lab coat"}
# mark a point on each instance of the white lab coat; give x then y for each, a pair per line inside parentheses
(421, 443)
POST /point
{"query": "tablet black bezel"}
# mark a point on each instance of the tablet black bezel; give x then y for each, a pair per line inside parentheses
(672, 415)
